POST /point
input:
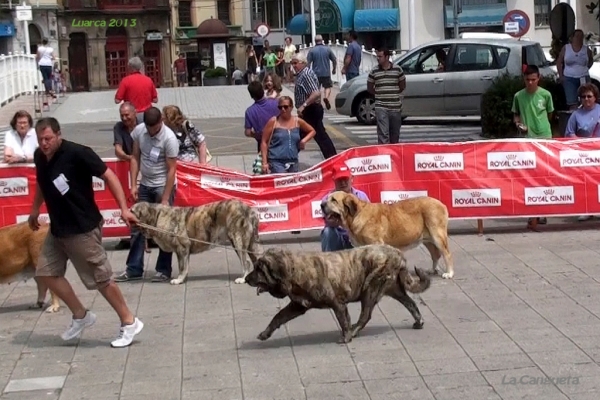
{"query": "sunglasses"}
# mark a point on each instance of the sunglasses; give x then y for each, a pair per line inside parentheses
(284, 107)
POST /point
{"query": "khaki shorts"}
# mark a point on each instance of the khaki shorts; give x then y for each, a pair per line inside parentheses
(85, 252)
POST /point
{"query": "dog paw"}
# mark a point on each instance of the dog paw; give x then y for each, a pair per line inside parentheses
(176, 281)
(36, 306)
(345, 339)
(447, 275)
(52, 309)
(263, 336)
(418, 325)
(240, 280)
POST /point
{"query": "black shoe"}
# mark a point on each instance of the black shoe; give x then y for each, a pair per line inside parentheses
(327, 104)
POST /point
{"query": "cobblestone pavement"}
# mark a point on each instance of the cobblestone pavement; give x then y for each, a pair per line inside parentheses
(519, 321)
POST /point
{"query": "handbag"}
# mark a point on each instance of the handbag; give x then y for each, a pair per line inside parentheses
(257, 164)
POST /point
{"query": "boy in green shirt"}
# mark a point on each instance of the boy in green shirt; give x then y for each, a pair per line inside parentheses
(532, 107)
(270, 61)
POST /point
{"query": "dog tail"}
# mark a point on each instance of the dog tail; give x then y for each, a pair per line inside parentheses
(414, 284)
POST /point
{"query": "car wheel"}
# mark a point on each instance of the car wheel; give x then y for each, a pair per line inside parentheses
(365, 112)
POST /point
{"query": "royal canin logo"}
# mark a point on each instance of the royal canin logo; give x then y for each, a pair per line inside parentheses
(477, 198)
(577, 158)
(549, 195)
(497, 160)
(370, 165)
(439, 162)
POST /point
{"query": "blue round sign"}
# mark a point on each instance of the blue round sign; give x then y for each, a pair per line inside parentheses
(516, 18)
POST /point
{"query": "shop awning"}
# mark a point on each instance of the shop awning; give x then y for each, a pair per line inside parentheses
(377, 19)
(332, 16)
(481, 15)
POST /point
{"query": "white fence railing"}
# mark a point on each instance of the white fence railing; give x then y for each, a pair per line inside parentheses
(18, 75)
(368, 60)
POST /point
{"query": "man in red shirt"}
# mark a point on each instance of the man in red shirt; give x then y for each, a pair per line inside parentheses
(180, 67)
(137, 88)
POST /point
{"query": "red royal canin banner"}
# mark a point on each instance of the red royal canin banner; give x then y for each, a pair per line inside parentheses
(483, 179)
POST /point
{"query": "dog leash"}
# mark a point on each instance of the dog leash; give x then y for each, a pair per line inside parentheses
(166, 232)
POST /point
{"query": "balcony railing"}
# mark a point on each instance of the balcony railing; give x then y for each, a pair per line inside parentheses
(114, 5)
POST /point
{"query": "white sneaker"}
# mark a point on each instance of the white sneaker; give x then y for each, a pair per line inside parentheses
(127, 334)
(77, 326)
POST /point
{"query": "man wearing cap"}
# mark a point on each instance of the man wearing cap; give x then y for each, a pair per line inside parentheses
(333, 236)
(307, 96)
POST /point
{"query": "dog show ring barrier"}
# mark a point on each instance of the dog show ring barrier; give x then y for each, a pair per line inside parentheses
(490, 179)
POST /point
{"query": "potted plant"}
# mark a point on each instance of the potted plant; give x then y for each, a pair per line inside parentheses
(496, 106)
(215, 77)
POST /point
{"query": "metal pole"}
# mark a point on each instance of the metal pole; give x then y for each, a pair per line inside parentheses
(412, 24)
(27, 44)
(456, 8)
(313, 28)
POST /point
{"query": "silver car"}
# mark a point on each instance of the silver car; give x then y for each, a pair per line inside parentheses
(450, 88)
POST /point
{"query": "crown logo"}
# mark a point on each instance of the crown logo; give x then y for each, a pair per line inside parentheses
(262, 209)
(403, 196)
(583, 155)
(438, 158)
(549, 192)
(3, 183)
(511, 156)
(366, 161)
(116, 214)
(475, 194)
(225, 179)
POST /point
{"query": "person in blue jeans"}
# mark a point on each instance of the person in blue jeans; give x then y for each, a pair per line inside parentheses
(155, 151)
(353, 57)
(333, 236)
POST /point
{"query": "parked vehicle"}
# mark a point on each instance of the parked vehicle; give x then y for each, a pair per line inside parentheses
(471, 65)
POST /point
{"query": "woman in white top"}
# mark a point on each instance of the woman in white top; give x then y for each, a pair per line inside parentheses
(45, 59)
(288, 52)
(573, 65)
(21, 141)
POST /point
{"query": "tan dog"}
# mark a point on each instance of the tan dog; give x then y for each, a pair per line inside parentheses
(21, 247)
(404, 225)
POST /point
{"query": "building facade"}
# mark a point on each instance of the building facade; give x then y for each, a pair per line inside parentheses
(386, 22)
(42, 25)
(98, 37)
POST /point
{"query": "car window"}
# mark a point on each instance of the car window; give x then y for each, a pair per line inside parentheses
(534, 55)
(425, 61)
(502, 54)
(473, 57)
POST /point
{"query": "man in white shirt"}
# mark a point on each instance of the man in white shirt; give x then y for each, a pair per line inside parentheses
(21, 141)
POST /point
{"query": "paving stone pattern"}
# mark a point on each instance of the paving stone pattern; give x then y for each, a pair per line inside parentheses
(523, 308)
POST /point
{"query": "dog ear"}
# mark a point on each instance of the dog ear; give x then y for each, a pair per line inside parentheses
(350, 205)
(263, 266)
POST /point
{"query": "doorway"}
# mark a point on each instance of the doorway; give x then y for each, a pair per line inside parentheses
(152, 61)
(78, 62)
(116, 54)
(35, 38)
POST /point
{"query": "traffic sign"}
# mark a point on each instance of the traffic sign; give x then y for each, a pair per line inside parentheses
(263, 30)
(24, 13)
(516, 23)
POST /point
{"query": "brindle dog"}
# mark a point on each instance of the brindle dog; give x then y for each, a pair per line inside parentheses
(334, 279)
(227, 220)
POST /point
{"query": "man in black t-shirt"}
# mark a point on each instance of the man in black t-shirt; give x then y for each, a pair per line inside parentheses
(64, 172)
